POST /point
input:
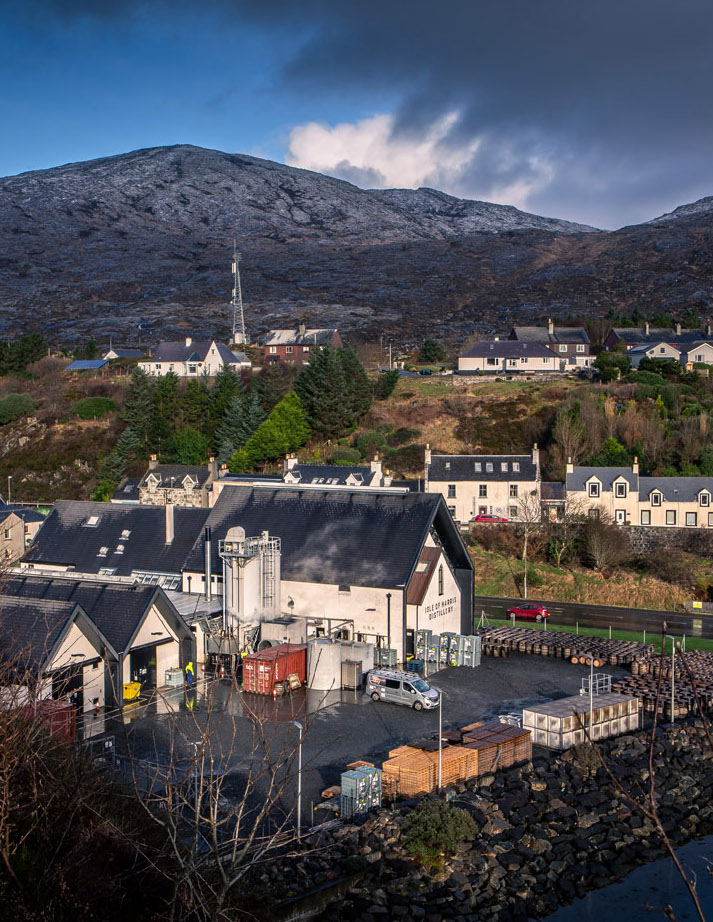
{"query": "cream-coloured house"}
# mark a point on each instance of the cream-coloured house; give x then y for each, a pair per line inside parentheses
(660, 350)
(192, 359)
(474, 485)
(18, 527)
(699, 353)
(509, 357)
(630, 499)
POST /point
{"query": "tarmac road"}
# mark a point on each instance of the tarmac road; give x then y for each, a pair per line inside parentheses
(602, 616)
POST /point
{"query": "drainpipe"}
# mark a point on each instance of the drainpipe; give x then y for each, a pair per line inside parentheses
(208, 565)
(388, 620)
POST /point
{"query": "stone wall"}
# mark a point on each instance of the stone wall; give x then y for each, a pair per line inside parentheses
(644, 539)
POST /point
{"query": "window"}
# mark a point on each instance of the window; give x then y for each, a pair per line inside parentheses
(421, 566)
(192, 369)
(103, 551)
(504, 466)
(288, 348)
(620, 490)
(512, 362)
(106, 571)
(670, 516)
(593, 489)
(92, 521)
(125, 534)
(452, 510)
(305, 348)
(440, 580)
(516, 466)
(491, 362)
(345, 589)
(513, 491)
(705, 499)
(662, 350)
(699, 357)
(482, 490)
(513, 512)
(645, 516)
(710, 519)
(580, 348)
(120, 549)
(546, 361)
(7, 534)
(451, 491)
(563, 348)
(273, 350)
(692, 518)
(655, 499)
(523, 360)
(478, 467)
(448, 465)
(392, 683)
(489, 466)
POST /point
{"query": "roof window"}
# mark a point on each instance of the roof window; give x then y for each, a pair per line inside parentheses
(478, 467)
(448, 465)
(421, 566)
(103, 551)
(125, 534)
(516, 466)
(92, 521)
(488, 465)
(120, 549)
(503, 466)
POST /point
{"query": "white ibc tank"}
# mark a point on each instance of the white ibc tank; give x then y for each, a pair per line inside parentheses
(324, 665)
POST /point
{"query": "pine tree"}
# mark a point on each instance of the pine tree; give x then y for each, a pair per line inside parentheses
(271, 385)
(359, 388)
(322, 388)
(137, 410)
(226, 436)
(226, 387)
(188, 446)
(164, 411)
(253, 416)
(286, 429)
(193, 404)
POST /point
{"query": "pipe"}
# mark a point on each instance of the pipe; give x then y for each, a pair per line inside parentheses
(208, 565)
(388, 620)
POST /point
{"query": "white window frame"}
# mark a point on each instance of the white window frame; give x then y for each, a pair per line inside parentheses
(655, 499)
(516, 466)
(288, 350)
(489, 466)
(491, 361)
(710, 519)
(272, 350)
(563, 347)
(580, 348)
(477, 467)
(504, 466)
(670, 516)
(705, 499)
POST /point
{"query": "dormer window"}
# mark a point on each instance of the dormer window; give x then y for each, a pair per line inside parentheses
(489, 466)
(448, 465)
(705, 499)
(516, 466)
(120, 549)
(593, 489)
(620, 490)
(125, 534)
(655, 499)
(504, 466)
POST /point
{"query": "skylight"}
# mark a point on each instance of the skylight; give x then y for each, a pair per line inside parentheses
(92, 521)
(103, 551)
(125, 534)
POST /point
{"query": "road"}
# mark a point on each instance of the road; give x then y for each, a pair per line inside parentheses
(602, 616)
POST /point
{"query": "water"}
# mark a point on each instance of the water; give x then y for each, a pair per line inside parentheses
(643, 893)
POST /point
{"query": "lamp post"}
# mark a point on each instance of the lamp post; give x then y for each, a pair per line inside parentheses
(300, 727)
(440, 736)
(388, 620)
(9, 480)
(590, 659)
(673, 674)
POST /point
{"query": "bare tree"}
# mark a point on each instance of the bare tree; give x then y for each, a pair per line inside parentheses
(570, 435)
(605, 544)
(566, 530)
(528, 523)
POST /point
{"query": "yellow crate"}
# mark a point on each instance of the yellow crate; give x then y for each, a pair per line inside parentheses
(132, 690)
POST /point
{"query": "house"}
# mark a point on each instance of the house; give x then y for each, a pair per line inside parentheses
(344, 555)
(296, 347)
(18, 527)
(53, 645)
(336, 474)
(698, 353)
(631, 337)
(473, 485)
(180, 484)
(630, 499)
(570, 344)
(508, 357)
(657, 350)
(127, 491)
(117, 353)
(138, 625)
(191, 359)
(553, 500)
(87, 365)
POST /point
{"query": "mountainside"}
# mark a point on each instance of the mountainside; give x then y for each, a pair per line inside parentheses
(146, 238)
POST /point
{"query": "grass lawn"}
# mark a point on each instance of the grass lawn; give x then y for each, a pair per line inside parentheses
(692, 643)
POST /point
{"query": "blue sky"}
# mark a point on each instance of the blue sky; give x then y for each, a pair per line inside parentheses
(594, 112)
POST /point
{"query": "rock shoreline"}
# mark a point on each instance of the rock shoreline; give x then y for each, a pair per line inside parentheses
(549, 831)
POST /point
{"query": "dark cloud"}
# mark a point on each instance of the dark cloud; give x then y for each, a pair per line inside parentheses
(613, 94)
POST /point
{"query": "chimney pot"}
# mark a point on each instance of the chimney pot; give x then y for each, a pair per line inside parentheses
(153, 462)
(303, 329)
(188, 340)
(678, 329)
(550, 326)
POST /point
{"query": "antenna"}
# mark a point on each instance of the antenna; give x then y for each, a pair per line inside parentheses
(239, 334)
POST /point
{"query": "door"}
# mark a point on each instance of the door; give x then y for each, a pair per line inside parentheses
(410, 643)
(620, 515)
(68, 684)
(143, 666)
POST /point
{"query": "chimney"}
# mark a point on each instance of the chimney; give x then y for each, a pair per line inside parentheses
(678, 329)
(289, 463)
(376, 466)
(708, 328)
(646, 328)
(208, 567)
(302, 329)
(427, 459)
(496, 338)
(570, 466)
(635, 466)
(153, 462)
(188, 341)
(550, 326)
(213, 468)
(169, 523)
(388, 478)
(536, 456)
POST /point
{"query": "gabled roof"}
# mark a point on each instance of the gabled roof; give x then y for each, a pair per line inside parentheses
(543, 335)
(452, 468)
(127, 491)
(163, 473)
(30, 630)
(643, 348)
(675, 489)
(656, 334)
(26, 513)
(125, 353)
(331, 473)
(319, 337)
(507, 349)
(87, 365)
(346, 537)
(194, 351)
(117, 610)
(577, 480)
(66, 538)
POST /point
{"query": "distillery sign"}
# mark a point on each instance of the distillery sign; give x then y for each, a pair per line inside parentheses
(440, 609)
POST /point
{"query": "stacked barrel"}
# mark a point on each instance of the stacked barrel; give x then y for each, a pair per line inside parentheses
(502, 641)
(644, 680)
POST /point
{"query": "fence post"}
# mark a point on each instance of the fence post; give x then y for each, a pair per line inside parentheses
(578, 627)
(610, 632)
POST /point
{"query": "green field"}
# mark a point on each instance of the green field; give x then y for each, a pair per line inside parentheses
(692, 643)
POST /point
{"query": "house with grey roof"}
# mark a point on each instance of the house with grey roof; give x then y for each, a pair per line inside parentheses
(297, 346)
(509, 357)
(116, 352)
(18, 528)
(570, 344)
(629, 498)
(180, 484)
(483, 485)
(191, 358)
(659, 342)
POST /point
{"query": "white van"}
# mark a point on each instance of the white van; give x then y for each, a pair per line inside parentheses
(401, 688)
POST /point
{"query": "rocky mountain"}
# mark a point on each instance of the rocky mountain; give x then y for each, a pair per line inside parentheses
(140, 244)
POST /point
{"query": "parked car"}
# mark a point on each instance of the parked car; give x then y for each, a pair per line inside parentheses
(529, 612)
(498, 519)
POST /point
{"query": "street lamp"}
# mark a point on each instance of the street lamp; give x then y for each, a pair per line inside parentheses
(9, 479)
(300, 727)
(589, 657)
(673, 673)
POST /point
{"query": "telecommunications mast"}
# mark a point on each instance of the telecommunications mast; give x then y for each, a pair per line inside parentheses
(239, 334)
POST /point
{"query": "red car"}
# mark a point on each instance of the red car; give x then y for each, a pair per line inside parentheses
(498, 519)
(529, 612)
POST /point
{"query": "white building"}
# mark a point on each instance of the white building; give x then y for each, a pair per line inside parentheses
(191, 359)
(509, 357)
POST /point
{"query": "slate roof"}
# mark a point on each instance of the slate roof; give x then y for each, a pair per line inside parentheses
(606, 475)
(507, 349)
(197, 351)
(117, 610)
(87, 365)
(29, 630)
(127, 491)
(543, 335)
(126, 353)
(643, 348)
(656, 335)
(25, 513)
(164, 472)
(66, 539)
(344, 537)
(331, 473)
(552, 491)
(320, 337)
(675, 489)
(452, 468)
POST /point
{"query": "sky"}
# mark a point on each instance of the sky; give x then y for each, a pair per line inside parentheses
(598, 111)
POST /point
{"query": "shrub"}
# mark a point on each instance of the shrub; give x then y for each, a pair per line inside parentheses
(93, 407)
(434, 829)
(402, 436)
(369, 442)
(345, 455)
(385, 384)
(14, 406)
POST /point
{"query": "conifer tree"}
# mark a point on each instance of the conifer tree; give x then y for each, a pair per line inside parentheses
(164, 411)
(323, 390)
(271, 385)
(359, 388)
(137, 410)
(226, 387)
(241, 419)
(193, 405)
(286, 429)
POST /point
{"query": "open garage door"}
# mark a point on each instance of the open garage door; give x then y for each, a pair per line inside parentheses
(68, 685)
(142, 666)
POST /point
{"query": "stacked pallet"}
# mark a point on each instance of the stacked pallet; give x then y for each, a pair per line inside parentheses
(502, 641)
(498, 745)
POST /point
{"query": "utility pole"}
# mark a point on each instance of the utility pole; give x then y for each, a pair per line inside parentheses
(239, 334)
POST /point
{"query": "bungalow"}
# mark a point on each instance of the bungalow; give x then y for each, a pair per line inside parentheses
(657, 350)
(191, 359)
(508, 357)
